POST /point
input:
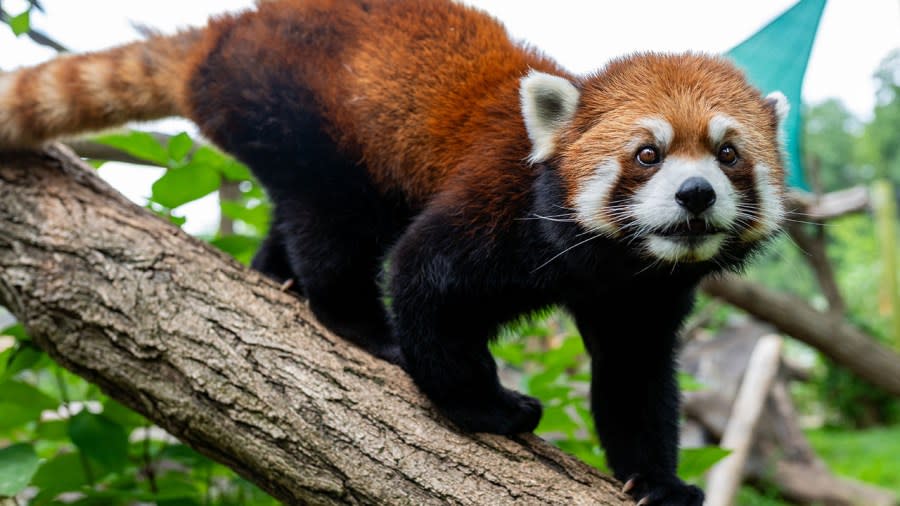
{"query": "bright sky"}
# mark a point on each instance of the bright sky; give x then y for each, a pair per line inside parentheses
(853, 37)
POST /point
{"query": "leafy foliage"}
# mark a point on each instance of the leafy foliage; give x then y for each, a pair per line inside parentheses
(18, 463)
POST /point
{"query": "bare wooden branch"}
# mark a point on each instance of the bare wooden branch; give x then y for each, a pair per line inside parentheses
(221, 358)
(808, 207)
(813, 243)
(38, 37)
(725, 477)
(829, 333)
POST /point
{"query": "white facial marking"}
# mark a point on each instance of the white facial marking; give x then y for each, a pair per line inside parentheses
(676, 250)
(719, 125)
(593, 198)
(661, 129)
(655, 206)
(782, 106)
(548, 103)
(771, 208)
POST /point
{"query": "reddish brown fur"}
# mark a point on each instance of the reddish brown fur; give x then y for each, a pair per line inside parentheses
(73, 94)
(426, 96)
(408, 88)
(402, 87)
(685, 90)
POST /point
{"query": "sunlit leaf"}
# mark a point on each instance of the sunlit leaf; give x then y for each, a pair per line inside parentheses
(185, 184)
(689, 383)
(556, 420)
(693, 462)
(257, 216)
(20, 24)
(241, 247)
(17, 331)
(139, 144)
(179, 147)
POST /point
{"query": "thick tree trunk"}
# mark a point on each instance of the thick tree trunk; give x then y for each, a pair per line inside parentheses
(222, 359)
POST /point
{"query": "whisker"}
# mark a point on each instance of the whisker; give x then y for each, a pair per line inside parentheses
(547, 218)
(561, 253)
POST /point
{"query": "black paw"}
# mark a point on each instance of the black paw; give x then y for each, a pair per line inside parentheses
(669, 491)
(506, 412)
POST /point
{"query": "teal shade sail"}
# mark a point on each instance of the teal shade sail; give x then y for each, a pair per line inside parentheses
(775, 59)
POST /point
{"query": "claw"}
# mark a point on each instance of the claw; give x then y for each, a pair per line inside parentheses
(287, 284)
(629, 485)
(644, 502)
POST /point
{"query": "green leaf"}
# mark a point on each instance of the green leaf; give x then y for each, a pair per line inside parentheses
(139, 144)
(15, 415)
(586, 451)
(180, 146)
(222, 163)
(241, 247)
(17, 331)
(55, 430)
(227, 166)
(566, 355)
(555, 419)
(511, 352)
(256, 216)
(185, 184)
(24, 394)
(100, 439)
(24, 356)
(693, 462)
(62, 473)
(689, 383)
(20, 24)
(18, 463)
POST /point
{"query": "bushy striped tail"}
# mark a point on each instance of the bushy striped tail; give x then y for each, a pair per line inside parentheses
(74, 94)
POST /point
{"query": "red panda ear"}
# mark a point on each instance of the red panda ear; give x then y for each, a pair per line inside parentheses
(548, 104)
(779, 106)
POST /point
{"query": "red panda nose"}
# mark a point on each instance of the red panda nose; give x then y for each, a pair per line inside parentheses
(695, 195)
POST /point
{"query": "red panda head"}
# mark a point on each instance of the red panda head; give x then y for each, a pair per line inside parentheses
(676, 155)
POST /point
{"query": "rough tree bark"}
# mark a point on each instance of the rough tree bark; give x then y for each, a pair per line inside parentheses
(222, 359)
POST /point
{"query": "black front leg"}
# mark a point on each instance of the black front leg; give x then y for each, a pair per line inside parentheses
(444, 317)
(634, 392)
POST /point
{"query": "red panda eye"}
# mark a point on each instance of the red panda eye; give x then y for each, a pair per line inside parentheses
(648, 156)
(727, 155)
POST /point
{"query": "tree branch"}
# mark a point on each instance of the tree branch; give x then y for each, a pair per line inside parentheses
(219, 357)
(87, 148)
(827, 332)
(38, 37)
(805, 206)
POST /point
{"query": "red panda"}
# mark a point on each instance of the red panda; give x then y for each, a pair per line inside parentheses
(489, 181)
